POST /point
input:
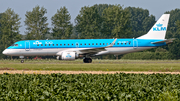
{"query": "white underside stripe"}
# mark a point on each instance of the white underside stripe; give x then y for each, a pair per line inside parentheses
(44, 52)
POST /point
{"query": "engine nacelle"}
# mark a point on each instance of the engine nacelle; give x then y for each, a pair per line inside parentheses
(68, 56)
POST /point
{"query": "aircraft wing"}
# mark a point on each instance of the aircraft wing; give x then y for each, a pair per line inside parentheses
(167, 41)
(96, 50)
(89, 50)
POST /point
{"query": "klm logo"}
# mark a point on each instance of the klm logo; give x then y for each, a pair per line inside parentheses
(37, 42)
(159, 27)
(68, 56)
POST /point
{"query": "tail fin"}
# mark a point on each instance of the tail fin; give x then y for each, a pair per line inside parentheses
(158, 31)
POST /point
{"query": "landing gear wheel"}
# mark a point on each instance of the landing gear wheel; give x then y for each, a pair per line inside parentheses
(87, 60)
(22, 61)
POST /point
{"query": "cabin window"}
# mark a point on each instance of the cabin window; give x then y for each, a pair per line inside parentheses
(68, 44)
(85, 44)
(56, 44)
(125, 43)
(49, 44)
(60, 44)
(89, 44)
(41, 44)
(92, 43)
(100, 43)
(103, 43)
(107, 43)
(37, 44)
(53, 44)
(121, 43)
(117, 43)
(45, 44)
(96, 43)
(129, 42)
(81, 44)
(64, 44)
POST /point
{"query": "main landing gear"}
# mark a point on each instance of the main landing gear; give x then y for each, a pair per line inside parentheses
(87, 60)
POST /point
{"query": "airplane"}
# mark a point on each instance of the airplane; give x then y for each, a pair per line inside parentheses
(71, 49)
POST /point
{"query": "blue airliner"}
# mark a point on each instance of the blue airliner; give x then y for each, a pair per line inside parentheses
(87, 48)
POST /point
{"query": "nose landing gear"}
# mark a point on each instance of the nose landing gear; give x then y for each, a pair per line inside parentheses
(22, 59)
(87, 60)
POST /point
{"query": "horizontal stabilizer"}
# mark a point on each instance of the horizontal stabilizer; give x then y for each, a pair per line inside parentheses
(167, 41)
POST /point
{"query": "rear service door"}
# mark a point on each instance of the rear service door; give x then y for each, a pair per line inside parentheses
(135, 43)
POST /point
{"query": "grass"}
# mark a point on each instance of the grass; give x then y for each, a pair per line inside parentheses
(97, 65)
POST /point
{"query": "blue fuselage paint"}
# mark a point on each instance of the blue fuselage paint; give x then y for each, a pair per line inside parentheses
(84, 43)
(93, 47)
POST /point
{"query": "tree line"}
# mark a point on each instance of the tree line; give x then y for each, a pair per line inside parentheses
(92, 22)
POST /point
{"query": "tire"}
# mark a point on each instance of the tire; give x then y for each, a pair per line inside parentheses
(22, 61)
(87, 60)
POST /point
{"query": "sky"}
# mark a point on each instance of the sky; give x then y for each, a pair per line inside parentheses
(155, 7)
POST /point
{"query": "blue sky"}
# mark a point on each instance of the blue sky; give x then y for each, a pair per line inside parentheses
(155, 7)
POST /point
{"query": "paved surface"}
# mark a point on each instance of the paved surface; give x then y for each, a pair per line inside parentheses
(77, 72)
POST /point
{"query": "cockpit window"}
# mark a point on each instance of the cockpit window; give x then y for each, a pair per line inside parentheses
(14, 45)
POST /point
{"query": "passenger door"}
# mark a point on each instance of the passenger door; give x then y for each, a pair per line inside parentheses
(135, 43)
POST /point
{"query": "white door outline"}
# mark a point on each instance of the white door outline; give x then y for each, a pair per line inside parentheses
(27, 45)
(135, 43)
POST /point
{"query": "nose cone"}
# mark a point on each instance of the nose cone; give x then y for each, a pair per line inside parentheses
(5, 52)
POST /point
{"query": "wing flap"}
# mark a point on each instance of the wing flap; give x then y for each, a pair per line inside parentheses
(92, 50)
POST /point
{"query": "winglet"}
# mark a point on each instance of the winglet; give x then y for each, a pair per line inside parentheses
(112, 43)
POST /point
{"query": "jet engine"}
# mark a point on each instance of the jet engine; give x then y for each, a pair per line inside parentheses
(68, 56)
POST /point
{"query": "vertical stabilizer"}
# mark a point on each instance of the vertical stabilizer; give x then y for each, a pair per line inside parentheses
(158, 31)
